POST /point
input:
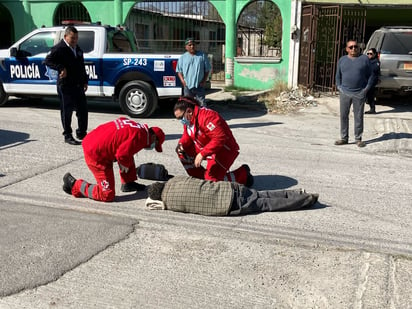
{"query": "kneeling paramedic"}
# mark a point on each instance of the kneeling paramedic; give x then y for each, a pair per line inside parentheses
(117, 140)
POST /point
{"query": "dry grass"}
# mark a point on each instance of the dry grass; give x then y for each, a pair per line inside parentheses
(282, 100)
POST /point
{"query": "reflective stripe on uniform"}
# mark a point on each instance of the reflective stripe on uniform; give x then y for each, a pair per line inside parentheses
(90, 191)
(83, 188)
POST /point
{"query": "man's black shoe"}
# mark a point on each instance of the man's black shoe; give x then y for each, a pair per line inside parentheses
(372, 111)
(80, 136)
(132, 186)
(70, 140)
(68, 183)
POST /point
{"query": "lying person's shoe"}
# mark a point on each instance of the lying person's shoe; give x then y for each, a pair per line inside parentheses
(68, 183)
(315, 198)
(132, 186)
(341, 142)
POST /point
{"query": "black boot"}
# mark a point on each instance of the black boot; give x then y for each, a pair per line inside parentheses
(132, 186)
(68, 183)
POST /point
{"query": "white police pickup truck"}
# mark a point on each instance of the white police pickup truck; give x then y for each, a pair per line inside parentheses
(115, 68)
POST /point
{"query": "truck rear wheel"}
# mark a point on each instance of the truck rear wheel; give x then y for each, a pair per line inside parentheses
(3, 95)
(138, 99)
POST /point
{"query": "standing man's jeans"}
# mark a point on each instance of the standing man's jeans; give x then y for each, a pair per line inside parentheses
(358, 101)
(198, 93)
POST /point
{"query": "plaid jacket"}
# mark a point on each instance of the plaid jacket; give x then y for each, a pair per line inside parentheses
(203, 197)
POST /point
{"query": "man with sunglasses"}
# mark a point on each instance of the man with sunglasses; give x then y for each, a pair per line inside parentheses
(353, 80)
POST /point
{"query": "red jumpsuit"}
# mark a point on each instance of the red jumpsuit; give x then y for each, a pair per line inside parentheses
(210, 135)
(116, 140)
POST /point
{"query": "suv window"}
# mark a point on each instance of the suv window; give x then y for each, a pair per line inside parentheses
(397, 43)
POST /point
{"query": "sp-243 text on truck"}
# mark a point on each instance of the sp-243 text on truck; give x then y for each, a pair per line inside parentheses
(115, 68)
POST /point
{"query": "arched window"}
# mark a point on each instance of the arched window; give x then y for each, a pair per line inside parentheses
(259, 30)
(72, 11)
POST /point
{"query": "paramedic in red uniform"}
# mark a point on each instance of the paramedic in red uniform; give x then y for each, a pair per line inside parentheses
(113, 141)
(207, 136)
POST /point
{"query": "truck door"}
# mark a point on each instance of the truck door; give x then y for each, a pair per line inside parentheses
(89, 41)
(27, 72)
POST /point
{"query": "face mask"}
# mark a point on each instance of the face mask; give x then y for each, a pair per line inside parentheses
(184, 121)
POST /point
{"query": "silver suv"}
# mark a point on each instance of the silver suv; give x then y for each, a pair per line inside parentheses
(394, 46)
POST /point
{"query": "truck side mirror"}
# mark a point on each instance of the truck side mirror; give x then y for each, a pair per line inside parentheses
(13, 52)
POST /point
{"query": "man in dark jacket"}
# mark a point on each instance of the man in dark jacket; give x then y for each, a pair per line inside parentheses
(376, 69)
(221, 198)
(66, 58)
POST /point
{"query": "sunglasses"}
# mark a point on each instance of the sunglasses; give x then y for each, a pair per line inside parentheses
(369, 54)
(353, 46)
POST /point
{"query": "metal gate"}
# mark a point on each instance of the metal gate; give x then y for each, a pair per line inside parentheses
(163, 27)
(72, 11)
(325, 31)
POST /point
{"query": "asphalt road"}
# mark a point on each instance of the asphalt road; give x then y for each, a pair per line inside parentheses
(352, 250)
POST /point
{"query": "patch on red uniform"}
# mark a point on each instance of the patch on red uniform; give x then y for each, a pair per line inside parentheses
(211, 126)
(105, 185)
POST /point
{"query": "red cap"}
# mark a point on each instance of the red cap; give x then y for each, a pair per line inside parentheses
(160, 138)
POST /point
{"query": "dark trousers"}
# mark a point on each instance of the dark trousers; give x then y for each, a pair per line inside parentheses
(358, 102)
(370, 98)
(247, 200)
(73, 98)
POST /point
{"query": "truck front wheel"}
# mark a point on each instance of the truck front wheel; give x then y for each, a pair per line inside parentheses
(3, 95)
(138, 99)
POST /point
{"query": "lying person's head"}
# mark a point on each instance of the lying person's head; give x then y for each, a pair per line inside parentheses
(155, 191)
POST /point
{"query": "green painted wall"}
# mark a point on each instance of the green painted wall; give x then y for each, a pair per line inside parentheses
(262, 76)
(35, 13)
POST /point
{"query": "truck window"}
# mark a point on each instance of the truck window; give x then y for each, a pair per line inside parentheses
(86, 41)
(120, 43)
(38, 43)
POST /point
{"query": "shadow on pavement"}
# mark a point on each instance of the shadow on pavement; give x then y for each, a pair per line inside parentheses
(253, 125)
(241, 107)
(94, 105)
(389, 136)
(12, 137)
(398, 104)
(273, 182)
